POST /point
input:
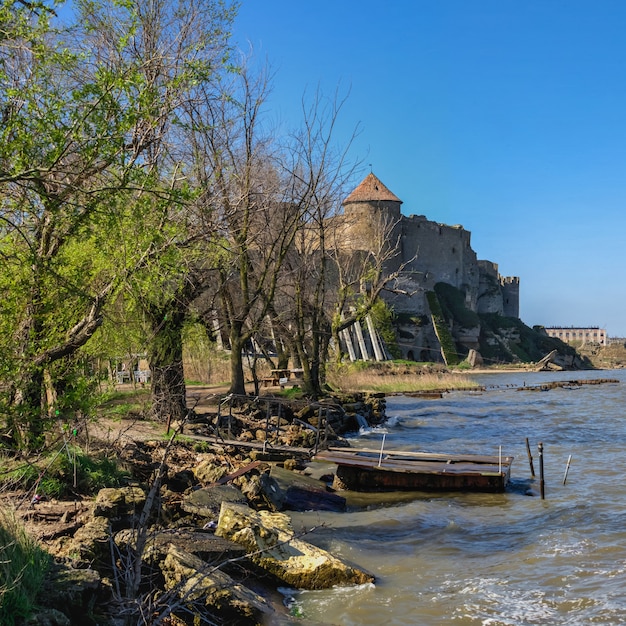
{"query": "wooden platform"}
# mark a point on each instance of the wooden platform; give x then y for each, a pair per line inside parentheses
(366, 470)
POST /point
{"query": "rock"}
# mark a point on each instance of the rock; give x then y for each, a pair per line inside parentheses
(204, 545)
(181, 480)
(207, 502)
(91, 541)
(474, 358)
(299, 498)
(120, 501)
(261, 490)
(205, 589)
(273, 546)
(69, 593)
(207, 472)
(303, 493)
(49, 617)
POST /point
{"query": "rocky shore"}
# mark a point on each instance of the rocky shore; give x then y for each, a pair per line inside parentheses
(198, 533)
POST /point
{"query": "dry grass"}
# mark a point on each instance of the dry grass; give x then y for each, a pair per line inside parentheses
(397, 379)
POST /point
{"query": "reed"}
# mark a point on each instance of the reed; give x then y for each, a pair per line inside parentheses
(397, 380)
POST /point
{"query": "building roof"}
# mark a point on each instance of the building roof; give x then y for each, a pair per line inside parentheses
(371, 189)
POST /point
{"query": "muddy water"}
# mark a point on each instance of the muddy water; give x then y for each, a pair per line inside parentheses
(479, 559)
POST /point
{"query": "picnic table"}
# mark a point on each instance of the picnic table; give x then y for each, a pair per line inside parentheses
(282, 377)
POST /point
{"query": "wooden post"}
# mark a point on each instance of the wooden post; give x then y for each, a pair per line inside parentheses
(267, 425)
(326, 430)
(542, 484)
(530, 459)
(319, 426)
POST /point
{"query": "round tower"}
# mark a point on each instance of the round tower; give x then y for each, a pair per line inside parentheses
(370, 210)
(371, 198)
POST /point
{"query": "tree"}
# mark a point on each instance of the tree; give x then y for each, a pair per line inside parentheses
(251, 211)
(86, 202)
(183, 51)
(317, 172)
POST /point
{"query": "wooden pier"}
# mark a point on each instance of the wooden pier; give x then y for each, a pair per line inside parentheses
(371, 470)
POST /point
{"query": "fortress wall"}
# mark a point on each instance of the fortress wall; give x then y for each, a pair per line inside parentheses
(442, 254)
(489, 293)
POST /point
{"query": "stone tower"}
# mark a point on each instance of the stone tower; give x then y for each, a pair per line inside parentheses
(368, 211)
(372, 196)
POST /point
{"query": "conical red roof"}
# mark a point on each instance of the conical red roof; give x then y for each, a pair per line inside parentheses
(371, 190)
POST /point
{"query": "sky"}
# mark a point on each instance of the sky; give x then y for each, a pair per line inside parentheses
(508, 117)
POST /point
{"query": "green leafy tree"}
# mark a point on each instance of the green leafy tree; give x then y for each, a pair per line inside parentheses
(86, 196)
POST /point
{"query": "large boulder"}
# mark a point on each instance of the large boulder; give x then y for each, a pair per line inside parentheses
(205, 589)
(206, 502)
(119, 501)
(208, 471)
(91, 542)
(68, 595)
(262, 491)
(273, 546)
(204, 545)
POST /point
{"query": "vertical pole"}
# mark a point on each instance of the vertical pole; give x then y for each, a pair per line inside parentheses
(218, 418)
(569, 460)
(230, 418)
(326, 430)
(499, 459)
(319, 426)
(280, 406)
(542, 484)
(530, 459)
(267, 425)
(382, 445)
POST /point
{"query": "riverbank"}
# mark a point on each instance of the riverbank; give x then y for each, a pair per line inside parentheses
(82, 530)
(135, 546)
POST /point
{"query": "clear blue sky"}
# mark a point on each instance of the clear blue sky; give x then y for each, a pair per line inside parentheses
(505, 116)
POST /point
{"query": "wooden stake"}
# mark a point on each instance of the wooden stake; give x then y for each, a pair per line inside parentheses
(542, 485)
(530, 459)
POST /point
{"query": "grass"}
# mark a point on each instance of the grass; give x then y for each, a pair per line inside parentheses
(61, 473)
(121, 404)
(396, 378)
(23, 566)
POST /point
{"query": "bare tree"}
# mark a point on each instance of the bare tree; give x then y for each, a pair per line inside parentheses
(255, 222)
(317, 171)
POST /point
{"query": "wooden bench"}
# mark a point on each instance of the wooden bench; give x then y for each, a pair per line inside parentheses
(268, 381)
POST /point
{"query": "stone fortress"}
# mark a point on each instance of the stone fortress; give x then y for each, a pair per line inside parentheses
(424, 253)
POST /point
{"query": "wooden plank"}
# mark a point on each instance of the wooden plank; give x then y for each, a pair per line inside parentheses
(476, 458)
(422, 466)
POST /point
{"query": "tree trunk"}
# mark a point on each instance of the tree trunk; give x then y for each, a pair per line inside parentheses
(26, 411)
(169, 399)
(237, 380)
